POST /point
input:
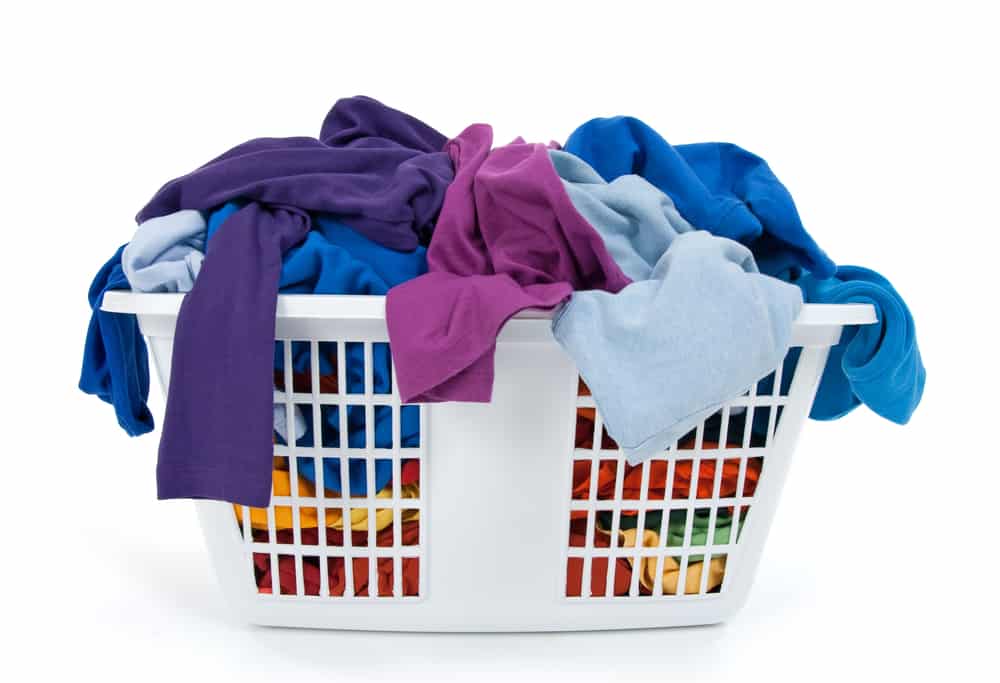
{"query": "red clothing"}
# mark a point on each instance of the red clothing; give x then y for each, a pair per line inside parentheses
(335, 566)
(681, 487)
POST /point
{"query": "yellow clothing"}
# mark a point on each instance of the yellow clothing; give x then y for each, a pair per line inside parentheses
(671, 567)
(308, 516)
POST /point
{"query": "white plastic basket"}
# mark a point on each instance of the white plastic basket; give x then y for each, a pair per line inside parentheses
(497, 546)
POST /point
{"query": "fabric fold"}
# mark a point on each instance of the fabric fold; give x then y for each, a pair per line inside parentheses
(115, 364)
(717, 186)
(507, 239)
(660, 258)
(666, 352)
(166, 253)
(878, 365)
(216, 440)
(384, 177)
(376, 169)
(699, 325)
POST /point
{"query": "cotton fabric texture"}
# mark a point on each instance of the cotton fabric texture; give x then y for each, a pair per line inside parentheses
(166, 253)
(381, 584)
(377, 169)
(115, 364)
(685, 475)
(716, 186)
(660, 250)
(698, 327)
(876, 365)
(508, 238)
(622, 567)
(333, 259)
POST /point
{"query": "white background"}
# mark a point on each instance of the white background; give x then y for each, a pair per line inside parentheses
(881, 120)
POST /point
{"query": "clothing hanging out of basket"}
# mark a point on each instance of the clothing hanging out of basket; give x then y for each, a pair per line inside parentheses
(461, 236)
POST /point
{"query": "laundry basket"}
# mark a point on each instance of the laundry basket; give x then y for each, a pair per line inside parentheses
(517, 515)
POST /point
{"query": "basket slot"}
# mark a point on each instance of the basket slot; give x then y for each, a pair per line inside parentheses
(361, 539)
(672, 523)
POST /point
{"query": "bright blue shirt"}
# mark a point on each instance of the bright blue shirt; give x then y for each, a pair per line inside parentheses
(115, 364)
(716, 186)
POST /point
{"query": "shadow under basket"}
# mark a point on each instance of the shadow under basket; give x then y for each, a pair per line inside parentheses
(517, 515)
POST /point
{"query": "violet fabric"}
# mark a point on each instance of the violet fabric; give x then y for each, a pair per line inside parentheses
(217, 440)
(378, 170)
(508, 238)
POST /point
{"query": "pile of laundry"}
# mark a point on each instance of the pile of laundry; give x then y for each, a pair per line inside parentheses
(660, 528)
(676, 272)
(333, 528)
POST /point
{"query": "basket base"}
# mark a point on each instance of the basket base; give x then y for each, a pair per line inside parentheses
(425, 618)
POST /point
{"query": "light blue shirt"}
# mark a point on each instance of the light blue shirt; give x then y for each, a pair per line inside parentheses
(166, 253)
(698, 326)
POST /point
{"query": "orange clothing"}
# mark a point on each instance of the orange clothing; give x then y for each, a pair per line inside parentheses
(681, 488)
(309, 517)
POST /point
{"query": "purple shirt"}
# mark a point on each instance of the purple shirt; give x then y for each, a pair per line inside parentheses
(508, 238)
(380, 171)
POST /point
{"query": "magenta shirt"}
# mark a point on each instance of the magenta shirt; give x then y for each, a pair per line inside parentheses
(507, 239)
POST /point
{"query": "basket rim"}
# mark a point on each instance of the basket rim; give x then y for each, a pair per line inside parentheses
(364, 307)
